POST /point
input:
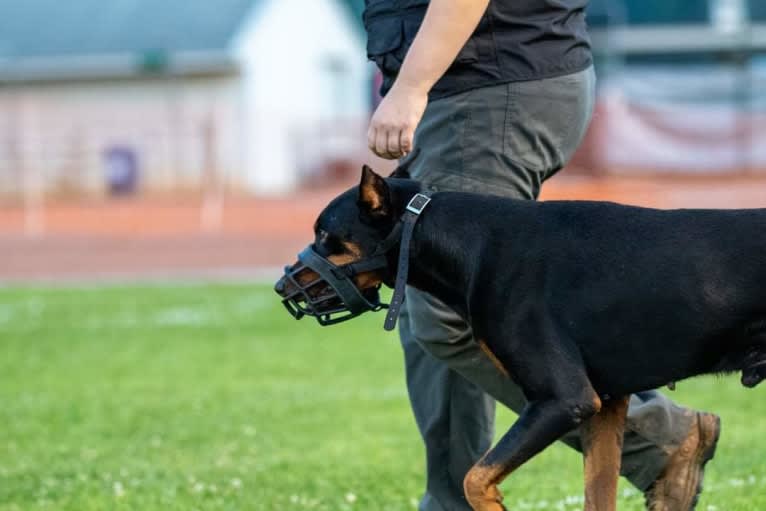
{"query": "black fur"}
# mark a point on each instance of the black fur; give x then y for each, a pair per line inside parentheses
(642, 297)
(638, 297)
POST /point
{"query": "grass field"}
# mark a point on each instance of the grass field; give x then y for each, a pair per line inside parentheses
(212, 398)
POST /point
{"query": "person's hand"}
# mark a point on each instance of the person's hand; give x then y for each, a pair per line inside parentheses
(392, 128)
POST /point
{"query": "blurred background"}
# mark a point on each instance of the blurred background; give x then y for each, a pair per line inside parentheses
(161, 160)
(181, 137)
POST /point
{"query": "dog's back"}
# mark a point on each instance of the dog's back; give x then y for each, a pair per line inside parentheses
(668, 293)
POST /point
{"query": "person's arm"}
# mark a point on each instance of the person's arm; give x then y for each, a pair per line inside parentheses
(446, 28)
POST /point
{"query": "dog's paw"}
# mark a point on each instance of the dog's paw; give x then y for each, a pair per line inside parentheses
(485, 498)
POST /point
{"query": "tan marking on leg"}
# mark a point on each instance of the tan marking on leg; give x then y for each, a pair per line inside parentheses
(602, 437)
(480, 487)
(493, 358)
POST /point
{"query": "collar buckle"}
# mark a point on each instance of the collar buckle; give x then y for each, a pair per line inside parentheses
(418, 203)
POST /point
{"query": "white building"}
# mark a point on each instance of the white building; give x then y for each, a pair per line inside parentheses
(253, 93)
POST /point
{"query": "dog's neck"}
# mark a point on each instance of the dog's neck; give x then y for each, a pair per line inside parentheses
(438, 262)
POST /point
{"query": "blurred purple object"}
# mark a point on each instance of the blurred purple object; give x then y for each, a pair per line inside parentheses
(121, 171)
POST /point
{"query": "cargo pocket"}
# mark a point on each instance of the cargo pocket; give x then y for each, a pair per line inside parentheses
(385, 44)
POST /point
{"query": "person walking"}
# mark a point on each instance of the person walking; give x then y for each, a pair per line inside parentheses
(497, 95)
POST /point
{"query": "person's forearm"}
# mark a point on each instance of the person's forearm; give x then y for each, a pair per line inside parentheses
(447, 26)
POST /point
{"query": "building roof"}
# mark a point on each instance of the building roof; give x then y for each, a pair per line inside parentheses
(80, 39)
(42, 40)
(48, 28)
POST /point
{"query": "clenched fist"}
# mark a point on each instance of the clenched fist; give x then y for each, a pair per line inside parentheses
(392, 128)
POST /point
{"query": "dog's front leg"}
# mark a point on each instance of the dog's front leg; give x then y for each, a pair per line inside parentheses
(602, 437)
(540, 424)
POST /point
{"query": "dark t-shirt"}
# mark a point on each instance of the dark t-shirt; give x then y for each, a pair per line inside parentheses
(515, 40)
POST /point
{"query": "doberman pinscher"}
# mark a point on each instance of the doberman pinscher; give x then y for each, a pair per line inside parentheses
(582, 303)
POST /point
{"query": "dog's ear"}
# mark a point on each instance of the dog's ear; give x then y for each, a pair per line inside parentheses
(403, 170)
(374, 197)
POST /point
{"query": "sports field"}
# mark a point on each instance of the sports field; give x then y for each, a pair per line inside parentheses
(213, 398)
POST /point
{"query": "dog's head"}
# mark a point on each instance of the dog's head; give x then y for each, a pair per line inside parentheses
(351, 237)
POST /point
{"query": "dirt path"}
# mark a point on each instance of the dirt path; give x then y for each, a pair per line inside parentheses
(156, 239)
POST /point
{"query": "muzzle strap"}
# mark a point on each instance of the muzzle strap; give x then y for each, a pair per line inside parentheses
(411, 215)
(353, 298)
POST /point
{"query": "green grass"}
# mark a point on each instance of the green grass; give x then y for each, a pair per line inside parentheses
(211, 397)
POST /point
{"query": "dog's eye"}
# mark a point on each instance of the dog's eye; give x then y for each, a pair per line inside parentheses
(327, 244)
(334, 245)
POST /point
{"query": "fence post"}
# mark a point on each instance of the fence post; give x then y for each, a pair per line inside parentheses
(31, 175)
(211, 211)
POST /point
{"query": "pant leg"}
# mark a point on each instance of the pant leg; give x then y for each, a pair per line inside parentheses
(455, 418)
(504, 140)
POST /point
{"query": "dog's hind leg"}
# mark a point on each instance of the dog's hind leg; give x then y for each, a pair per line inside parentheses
(602, 452)
(540, 424)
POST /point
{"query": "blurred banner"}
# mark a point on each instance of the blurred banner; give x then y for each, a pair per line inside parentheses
(681, 87)
(698, 119)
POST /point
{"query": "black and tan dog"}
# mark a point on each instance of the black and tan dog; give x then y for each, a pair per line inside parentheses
(582, 303)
